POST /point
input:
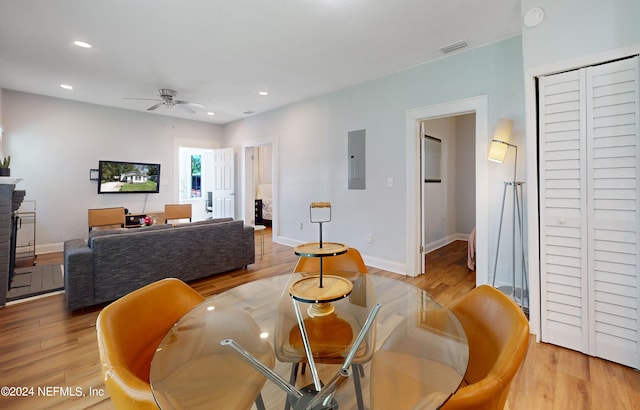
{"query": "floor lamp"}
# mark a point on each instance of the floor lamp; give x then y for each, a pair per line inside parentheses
(499, 146)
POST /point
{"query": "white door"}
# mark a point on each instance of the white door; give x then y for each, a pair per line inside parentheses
(589, 222)
(423, 228)
(223, 183)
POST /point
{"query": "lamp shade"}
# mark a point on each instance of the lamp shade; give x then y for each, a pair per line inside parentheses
(500, 142)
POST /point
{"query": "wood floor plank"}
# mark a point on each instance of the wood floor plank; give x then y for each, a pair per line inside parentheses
(608, 386)
(571, 393)
(44, 345)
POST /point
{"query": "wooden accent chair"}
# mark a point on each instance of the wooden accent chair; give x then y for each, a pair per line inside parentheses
(498, 335)
(177, 211)
(129, 331)
(106, 217)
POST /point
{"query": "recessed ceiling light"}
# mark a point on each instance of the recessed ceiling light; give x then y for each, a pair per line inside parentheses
(211, 113)
(249, 112)
(66, 86)
(82, 44)
(263, 93)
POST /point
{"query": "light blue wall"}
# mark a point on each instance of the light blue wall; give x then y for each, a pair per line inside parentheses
(313, 144)
(577, 28)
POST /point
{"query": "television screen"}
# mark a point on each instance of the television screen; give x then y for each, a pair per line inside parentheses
(128, 177)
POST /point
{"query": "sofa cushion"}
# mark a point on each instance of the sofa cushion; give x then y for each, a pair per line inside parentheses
(97, 233)
(104, 232)
(204, 222)
(125, 262)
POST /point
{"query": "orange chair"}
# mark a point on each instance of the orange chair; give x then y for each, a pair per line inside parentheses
(497, 333)
(177, 212)
(498, 336)
(350, 264)
(129, 331)
(357, 306)
(106, 217)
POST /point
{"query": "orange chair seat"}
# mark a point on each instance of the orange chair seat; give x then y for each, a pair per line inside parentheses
(129, 331)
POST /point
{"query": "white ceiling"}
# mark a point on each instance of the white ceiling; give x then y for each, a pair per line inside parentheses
(222, 52)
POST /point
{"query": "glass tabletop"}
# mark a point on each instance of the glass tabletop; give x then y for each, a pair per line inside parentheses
(413, 342)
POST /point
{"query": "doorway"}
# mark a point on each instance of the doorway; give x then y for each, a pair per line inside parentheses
(195, 179)
(448, 201)
(260, 182)
(478, 106)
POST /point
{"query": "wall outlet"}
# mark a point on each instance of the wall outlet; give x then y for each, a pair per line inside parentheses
(301, 226)
(369, 238)
(390, 182)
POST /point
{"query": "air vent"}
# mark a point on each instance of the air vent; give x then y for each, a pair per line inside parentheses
(248, 112)
(454, 46)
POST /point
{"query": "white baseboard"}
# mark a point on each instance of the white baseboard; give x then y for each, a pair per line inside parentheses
(430, 247)
(49, 248)
(283, 240)
(391, 266)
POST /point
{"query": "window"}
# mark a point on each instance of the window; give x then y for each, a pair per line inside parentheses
(196, 176)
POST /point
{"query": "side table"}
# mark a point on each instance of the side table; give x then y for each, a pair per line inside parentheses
(260, 228)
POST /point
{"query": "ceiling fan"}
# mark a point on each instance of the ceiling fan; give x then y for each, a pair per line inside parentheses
(167, 97)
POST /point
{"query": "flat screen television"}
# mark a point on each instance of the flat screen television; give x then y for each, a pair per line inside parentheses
(128, 177)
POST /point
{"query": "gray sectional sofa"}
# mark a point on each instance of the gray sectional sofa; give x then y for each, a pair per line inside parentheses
(114, 262)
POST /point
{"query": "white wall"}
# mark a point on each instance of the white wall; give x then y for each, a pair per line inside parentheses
(1, 127)
(439, 197)
(449, 211)
(54, 143)
(465, 189)
(313, 146)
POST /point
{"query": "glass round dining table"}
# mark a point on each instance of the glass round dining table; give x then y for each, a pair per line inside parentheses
(256, 346)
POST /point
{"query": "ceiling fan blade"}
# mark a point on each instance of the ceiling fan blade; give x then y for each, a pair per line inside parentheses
(153, 107)
(192, 104)
(183, 106)
(141, 99)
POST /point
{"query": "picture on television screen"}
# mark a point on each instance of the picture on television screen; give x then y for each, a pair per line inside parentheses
(128, 177)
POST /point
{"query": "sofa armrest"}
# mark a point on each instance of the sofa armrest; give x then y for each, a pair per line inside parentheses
(78, 274)
(249, 249)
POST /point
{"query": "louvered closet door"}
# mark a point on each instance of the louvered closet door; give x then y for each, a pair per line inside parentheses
(613, 185)
(563, 217)
(589, 222)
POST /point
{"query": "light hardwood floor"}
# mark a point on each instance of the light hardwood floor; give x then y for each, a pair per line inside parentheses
(44, 346)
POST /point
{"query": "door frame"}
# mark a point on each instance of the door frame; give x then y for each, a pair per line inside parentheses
(247, 178)
(479, 106)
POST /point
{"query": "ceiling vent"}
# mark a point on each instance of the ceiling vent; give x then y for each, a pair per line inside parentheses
(454, 46)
